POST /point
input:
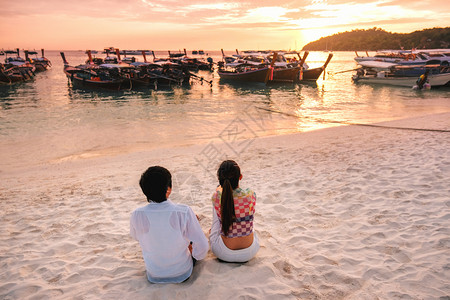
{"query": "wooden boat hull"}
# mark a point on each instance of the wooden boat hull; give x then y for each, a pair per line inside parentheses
(312, 74)
(16, 74)
(107, 85)
(10, 79)
(286, 74)
(84, 83)
(162, 81)
(260, 75)
(434, 80)
(41, 66)
(155, 81)
(143, 82)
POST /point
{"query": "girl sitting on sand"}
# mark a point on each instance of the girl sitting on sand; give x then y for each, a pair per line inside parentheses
(232, 238)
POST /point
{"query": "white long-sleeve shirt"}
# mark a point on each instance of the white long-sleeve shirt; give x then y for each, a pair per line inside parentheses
(164, 231)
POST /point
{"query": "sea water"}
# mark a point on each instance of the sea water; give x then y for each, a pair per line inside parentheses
(46, 121)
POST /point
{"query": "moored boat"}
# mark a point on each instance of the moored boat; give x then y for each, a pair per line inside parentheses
(91, 76)
(15, 69)
(41, 63)
(190, 63)
(155, 75)
(123, 52)
(314, 73)
(247, 72)
(15, 59)
(381, 72)
(433, 67)
(297, 71)
(291, 74)
(435, 80)
(285, 69)
(407, 57)
(15, 72)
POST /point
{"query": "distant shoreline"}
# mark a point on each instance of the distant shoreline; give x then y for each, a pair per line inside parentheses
(375, 39)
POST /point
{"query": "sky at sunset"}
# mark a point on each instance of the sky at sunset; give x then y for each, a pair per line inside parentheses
(202, 24)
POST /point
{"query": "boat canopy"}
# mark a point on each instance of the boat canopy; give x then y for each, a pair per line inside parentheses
(115, 66)
(17, 63)
(139, 64)
(377, 64)
(240, 65)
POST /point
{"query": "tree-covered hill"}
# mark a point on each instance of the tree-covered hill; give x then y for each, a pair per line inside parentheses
(379, 39)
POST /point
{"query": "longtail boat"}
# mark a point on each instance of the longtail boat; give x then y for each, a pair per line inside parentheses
(246, 72)
(15, 69)
(41, 63)
(152, 75)
(12, 73)
(162, 73)
(314, 73)
(90, 76)
(290, 72)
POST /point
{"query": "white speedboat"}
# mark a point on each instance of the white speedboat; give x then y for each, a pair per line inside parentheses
(388, 73)
(408, 57)
(434, 80)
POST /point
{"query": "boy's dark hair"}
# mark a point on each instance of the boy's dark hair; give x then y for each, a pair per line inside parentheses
(154, 183)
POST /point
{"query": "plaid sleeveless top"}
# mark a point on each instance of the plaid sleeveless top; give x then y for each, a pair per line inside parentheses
(244, 208)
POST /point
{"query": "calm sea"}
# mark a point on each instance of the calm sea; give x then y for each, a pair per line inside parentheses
(45, 120)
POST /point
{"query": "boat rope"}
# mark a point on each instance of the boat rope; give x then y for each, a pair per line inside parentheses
(353, 123)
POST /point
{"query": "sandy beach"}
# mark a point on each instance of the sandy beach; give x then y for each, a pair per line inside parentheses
(348, 212)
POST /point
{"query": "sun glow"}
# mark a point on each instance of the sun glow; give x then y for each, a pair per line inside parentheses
(214, 6)
(310, 35)
(207, 24)
(328, 19)
(268, 14)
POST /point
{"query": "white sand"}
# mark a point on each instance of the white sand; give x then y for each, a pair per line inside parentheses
(343, 213)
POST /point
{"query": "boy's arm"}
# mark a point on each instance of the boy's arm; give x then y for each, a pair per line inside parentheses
(194, 233)
(132, 229)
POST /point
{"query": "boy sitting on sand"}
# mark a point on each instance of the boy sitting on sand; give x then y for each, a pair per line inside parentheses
(169, 234)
